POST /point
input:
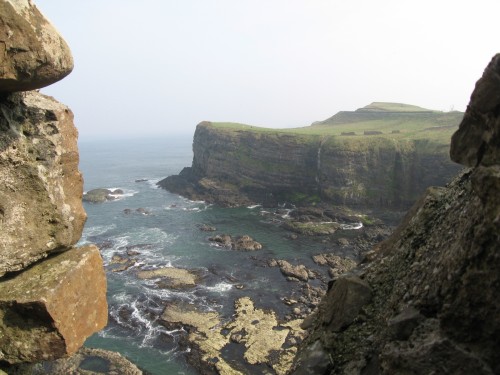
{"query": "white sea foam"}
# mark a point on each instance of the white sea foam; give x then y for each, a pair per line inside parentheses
(219, 288)
(351, 226)
(152, 183)
(254, 206)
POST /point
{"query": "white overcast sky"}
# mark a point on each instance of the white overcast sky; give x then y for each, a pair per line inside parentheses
(159, 67)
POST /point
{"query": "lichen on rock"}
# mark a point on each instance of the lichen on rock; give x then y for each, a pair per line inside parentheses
(34, 55)
(47, 311)
(40, 195)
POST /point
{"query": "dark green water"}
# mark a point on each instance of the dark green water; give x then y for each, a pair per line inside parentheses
(169, 236)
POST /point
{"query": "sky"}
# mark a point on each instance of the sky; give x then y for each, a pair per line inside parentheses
(159, 67)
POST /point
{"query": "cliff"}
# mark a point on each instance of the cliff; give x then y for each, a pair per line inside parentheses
(52, 295)
(425, 301)
(373, 157)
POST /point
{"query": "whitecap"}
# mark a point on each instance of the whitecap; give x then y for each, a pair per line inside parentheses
(219, 287)
(351, 226)
(254, 206)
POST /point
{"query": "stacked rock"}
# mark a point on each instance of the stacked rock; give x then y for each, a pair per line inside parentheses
(52, 295)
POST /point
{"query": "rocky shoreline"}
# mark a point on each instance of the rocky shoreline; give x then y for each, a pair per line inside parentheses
(229, 344)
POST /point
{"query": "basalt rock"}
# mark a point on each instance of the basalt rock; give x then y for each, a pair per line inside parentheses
(433, 305)
(41, 190)
(48, 311)
(33, 53)
(240, 165)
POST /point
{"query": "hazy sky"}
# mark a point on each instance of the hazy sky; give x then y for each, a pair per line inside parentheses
(159, 67)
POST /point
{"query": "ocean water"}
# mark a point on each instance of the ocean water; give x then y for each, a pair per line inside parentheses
(169, 235)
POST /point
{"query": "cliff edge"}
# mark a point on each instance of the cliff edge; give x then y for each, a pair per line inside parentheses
(426, 301)
(381, 156)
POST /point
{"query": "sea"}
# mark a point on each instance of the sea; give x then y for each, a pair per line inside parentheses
(163, 230)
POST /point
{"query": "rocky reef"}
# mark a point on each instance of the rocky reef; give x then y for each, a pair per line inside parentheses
(425, 301)
(52, 295)
(388, 166)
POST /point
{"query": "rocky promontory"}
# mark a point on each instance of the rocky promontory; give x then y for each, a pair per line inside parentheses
(426, 300)
(392, 154)
(52, 295)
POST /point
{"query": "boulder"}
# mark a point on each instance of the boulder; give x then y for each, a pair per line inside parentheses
(34, 55)
(222, 239)
(175, 277)
(246, 243)
(85, 361)
(102, 195)
(298, 272)
(48, 310)
(40, 194)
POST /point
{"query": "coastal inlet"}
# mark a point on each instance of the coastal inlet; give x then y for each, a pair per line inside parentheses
(180, 302)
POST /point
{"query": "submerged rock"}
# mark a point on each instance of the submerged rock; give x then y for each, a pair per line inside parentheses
(101, 195)
(33, 53)
(243, 243)
(175, 277)
(246, 243)
(48, 311)
(297, 272)
(263, 339)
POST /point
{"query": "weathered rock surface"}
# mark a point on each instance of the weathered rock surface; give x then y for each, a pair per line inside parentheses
(47, 311)
(241, 243)
(175, 277)
(85, 362)
(33, 53)
(255, 332)
(101, 195)
(298, 272)
(238, 166)
(433, 305)
(41, 190)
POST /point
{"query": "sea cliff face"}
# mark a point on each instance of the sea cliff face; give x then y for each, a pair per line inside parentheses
(425, 301)
(236, 164)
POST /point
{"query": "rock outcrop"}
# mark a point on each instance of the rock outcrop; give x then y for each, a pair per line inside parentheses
(239, 165)
(52, 296)
(428, 302)
(41, 191)
(45, 311)
(33, 53)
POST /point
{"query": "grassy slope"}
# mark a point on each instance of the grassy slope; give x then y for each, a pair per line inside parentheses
(431, 127)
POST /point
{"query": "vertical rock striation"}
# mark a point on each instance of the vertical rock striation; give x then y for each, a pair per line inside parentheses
(430, 304)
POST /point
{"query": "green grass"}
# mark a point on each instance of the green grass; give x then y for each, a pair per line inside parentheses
(437, 127)
(393, 107)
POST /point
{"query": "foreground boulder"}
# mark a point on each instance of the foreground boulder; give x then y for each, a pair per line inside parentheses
(40, 194)
(85, 361)
(428, 302)
(48, 311)
(34, 55)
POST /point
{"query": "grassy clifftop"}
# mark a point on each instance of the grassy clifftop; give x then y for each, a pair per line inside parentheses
(395, 121)
(382, 155)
